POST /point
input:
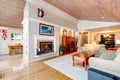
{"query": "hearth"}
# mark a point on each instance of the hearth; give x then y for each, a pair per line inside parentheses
(46, 47)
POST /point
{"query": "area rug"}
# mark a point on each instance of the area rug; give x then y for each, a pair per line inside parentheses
(64, 65)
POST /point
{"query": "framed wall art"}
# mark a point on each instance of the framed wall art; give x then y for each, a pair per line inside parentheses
(45, 29)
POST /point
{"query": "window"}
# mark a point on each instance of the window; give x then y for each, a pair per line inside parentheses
(16, 36)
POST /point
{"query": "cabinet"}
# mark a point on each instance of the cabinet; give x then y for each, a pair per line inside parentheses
(108, 40)
(70, 43)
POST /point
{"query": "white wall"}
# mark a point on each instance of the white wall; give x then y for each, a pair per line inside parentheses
(4, 43)
(34, 31)
(82, 24)
(52, 14)
(31, 26)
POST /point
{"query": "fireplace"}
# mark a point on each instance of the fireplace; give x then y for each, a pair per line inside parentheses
(46, 47)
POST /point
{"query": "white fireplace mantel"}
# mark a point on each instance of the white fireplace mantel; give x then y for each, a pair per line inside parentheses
(45, 38)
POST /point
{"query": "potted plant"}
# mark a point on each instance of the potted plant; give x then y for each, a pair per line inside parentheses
(61, 48)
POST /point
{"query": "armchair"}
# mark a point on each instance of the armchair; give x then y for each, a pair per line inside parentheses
(109, 62)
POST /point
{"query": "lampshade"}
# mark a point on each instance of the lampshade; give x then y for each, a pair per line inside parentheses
(117, 42)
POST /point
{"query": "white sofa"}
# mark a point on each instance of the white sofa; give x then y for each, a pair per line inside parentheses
(92, 47)
(109, 61)
(96, 48)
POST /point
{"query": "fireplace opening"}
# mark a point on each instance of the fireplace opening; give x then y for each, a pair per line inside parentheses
(46, 47)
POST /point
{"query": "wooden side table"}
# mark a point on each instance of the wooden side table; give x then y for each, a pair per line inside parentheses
(82, 57)
(14, 48)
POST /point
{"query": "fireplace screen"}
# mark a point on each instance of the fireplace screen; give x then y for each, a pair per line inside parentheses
(46, 47)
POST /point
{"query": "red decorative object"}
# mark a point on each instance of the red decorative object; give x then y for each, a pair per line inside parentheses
(4, 34)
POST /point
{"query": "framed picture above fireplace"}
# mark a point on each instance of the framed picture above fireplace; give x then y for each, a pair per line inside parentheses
(45, 29)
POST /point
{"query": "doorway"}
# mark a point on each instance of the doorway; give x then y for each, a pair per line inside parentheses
(83, 38)
(11, 47)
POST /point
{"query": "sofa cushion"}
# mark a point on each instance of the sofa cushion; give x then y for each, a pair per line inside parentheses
(107, 56)
(97, 47)
(92, 47)
(109, 66)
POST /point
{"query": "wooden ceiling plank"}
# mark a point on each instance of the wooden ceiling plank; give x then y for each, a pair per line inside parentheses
(11, 13)
(90, 9)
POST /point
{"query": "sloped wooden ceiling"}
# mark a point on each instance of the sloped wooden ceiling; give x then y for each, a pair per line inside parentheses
(11, 13)
(95, 10)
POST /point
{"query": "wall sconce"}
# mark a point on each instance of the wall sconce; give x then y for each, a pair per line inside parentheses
(40, 13)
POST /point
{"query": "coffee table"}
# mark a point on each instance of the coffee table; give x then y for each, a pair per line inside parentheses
(82, 57)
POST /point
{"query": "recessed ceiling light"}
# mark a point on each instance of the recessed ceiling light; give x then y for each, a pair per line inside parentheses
(102, 17)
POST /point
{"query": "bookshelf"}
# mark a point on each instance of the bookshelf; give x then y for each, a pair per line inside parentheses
(69, 42)
(108, 40)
